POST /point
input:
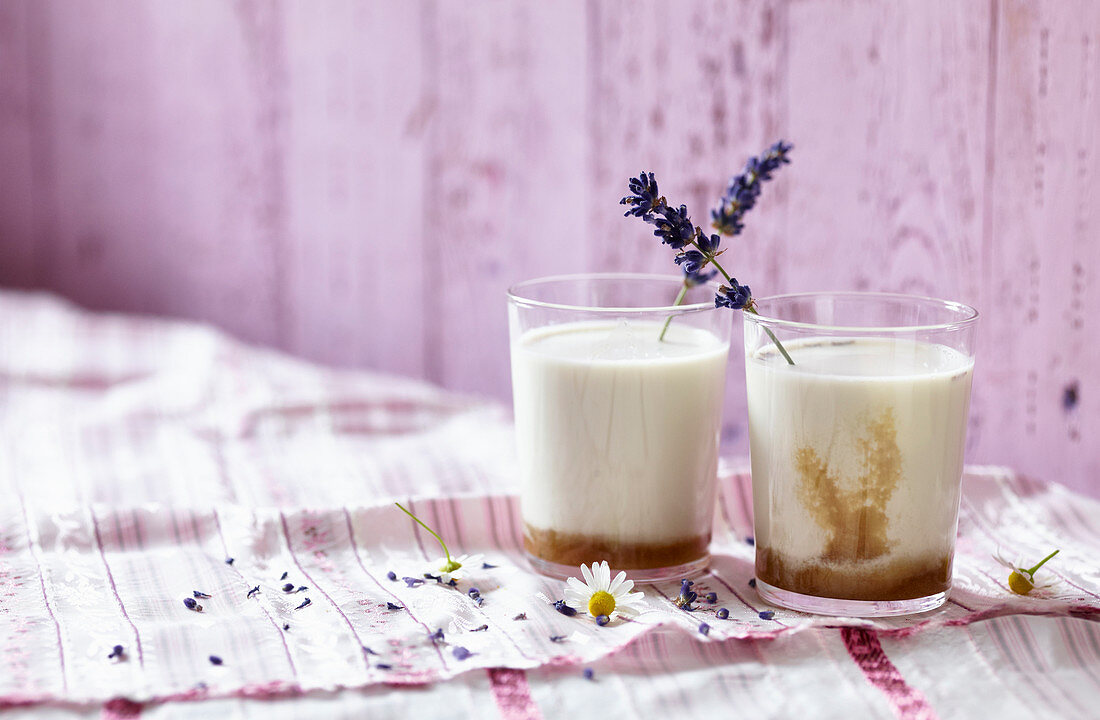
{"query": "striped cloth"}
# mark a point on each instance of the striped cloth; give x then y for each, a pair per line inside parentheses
(137, 456)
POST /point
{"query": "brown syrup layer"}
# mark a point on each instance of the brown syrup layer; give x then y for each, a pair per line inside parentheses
(577, 549)
(853, 514)
(901, 580)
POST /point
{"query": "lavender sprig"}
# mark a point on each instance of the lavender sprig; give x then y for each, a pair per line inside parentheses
(676, 229)
(744, 189)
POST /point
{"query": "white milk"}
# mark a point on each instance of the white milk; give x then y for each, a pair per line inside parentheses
(857, 452)
(618, 432)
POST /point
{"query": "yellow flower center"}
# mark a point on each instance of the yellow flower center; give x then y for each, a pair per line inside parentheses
(601, 603)
(1020, 583)
(450, 566)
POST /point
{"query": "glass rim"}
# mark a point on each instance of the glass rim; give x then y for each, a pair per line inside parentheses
(515, 296)
(969, 315)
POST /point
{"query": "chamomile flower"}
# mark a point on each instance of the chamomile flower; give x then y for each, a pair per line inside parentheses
(449, 568)
(602, 596)
(1021, 580)
(455, 568)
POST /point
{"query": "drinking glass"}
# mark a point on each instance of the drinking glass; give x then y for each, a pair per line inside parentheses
(857, 448)
(618, 407)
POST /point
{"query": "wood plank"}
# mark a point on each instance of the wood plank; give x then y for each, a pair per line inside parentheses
(506, 175)
(888, 106)
(688, 91)
(17, 228)
(355, 167)
(157, 140)
(1041, 325)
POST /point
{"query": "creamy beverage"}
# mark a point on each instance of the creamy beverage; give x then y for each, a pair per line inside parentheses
(857, 452)
(617, 435)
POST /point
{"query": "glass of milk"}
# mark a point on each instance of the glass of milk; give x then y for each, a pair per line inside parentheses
(618, 407)
(857, 448)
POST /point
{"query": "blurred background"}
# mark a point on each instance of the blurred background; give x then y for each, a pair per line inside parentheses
(358, 183)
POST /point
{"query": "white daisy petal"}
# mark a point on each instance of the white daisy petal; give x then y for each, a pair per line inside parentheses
(576, 600)
(616, 582)
(587, 575)
(576, 584)
(603, 576)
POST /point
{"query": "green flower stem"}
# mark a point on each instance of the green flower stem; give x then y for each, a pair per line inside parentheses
(750, 308)
(1042, 562)
(679, 299)
(775, 340)
(436, 536)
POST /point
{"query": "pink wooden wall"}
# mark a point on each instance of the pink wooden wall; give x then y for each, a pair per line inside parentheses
(359, 182)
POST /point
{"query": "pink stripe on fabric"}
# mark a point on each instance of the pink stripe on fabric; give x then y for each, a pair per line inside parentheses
(416, 529)
(270, 617)
(315, 584)
(45, 596)
(369, 574)
(121, 709)
(512, 694)
(114, 589)
(908, 702)
(460, 536)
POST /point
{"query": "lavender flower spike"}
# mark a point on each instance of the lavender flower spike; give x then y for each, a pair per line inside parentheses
(736, 296)
(744, 189)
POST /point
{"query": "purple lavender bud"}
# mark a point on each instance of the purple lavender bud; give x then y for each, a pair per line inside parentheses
(767, 615)
(589, 673)
(712, 597)
(215, 660)
(564, 609)
(722, 614)
(704, 629)
(391, 575)
(736, 296)
(602, 620)
(461, 653)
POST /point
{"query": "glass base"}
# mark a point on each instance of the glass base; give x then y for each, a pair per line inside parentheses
(847, 608)
(673, 572)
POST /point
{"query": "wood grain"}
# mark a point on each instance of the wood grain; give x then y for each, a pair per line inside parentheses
(1042, 252)
(358, 183)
